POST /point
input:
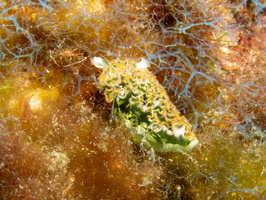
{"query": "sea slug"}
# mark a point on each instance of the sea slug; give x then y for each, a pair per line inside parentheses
(142, 102)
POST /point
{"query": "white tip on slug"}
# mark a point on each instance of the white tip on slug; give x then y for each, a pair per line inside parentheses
(179, 131)
(143, 64)
(99, 62)
(192, 144)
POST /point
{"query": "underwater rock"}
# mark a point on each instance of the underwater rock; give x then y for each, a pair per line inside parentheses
(142, 102)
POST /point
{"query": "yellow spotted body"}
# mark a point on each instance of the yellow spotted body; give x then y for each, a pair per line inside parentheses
(142, 102)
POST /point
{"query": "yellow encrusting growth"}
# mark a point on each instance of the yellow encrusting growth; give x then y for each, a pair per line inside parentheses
(141, 100)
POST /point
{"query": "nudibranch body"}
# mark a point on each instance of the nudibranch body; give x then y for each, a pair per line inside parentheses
(141, 101)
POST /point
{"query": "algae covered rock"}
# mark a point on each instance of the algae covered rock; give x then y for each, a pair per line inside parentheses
(141, 101)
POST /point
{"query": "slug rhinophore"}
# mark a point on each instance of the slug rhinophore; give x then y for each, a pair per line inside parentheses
(141, 101)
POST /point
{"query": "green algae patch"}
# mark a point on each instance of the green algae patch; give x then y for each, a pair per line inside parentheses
(6, 89)
(21, 95)
(234, 168)
(221, 168)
